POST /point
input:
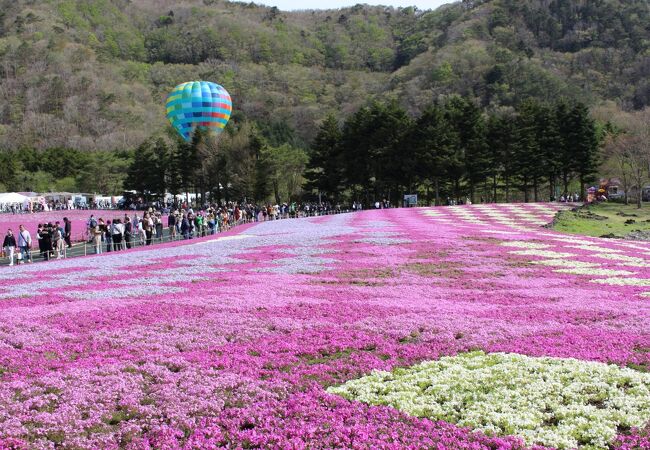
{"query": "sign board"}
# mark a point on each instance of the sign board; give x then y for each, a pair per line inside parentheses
(410, 200)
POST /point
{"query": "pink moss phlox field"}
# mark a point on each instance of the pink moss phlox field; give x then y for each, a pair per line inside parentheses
(231, 341)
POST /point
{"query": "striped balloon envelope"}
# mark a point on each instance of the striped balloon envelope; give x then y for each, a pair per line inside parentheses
(198, 104)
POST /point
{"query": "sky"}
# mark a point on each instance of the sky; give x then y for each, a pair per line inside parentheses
(289, 5)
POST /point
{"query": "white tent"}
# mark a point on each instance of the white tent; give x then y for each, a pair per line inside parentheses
(12, 197)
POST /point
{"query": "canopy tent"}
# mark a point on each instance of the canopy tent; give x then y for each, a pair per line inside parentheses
(12, 197)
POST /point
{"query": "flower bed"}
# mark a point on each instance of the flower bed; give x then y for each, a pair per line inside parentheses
(557, 402)
(233, 340)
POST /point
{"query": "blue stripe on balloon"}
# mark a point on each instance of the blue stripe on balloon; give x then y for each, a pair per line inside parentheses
(207, 109)
(196, 99)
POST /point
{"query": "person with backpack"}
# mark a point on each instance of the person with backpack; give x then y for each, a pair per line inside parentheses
(90, 227)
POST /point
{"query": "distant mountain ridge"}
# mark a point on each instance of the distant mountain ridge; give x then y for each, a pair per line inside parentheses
(93, 74)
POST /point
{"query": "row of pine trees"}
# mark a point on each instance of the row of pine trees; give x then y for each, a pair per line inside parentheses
(455, 150)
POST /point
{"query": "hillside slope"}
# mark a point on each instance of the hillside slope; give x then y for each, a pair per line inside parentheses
(93, 74)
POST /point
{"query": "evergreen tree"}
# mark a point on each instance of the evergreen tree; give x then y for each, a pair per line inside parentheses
(564, 158)
(501, 138)
(432, 141)
(149, 172)
(526, 149)
(584, 142)
(395, 158)
(550, 143)
(324, 171)
(356, 151)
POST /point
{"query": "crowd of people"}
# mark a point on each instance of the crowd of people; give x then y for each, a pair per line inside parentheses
(121, 233)
(53, 240)
(128, 229)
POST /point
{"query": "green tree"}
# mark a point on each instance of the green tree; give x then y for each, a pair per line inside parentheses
(149, 173)
(284, 167)
(432, 142)
(583, 140)
(324, 171)
(526, 149)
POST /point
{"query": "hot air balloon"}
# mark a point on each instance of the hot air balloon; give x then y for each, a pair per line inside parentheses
(198, 104)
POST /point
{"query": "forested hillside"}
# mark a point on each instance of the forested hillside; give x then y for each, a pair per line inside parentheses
(93, 74)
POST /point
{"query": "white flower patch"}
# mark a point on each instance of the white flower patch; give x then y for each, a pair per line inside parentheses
(542, 253)
(595, 272)
(525, 244)
(143, 290)
(634, 246)
(595, 248)
(623, 259)
(566, 263)
(623, 281)
(563, 403)
(570, 240)
(499, 232)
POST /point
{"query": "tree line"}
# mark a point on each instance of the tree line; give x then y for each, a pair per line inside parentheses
(242, 164)
(455, 150)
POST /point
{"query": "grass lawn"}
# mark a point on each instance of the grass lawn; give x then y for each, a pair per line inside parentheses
(604, 219)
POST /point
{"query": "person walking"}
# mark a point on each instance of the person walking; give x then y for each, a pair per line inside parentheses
(9, 245)
(57, 240)
(46, 239)
(117, 232)
(67, 232)
(185, 227)
(39, 233)
(128, 231)
(159, 226)
(24, 244)
(97, 235)
(90, 227)
(147, 226)
(171, 224)
(108, 237)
